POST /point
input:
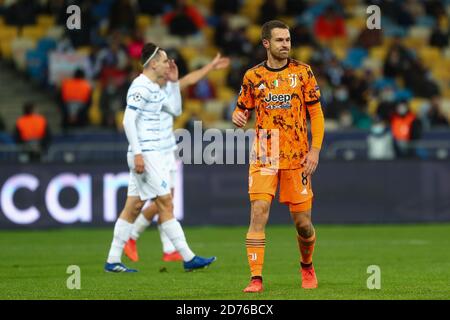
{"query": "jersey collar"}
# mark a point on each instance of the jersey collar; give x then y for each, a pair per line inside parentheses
(278, 69)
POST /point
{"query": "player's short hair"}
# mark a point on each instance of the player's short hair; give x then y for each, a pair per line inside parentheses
(28, 107)
(266, 30)
(149, 51)
(79, 74)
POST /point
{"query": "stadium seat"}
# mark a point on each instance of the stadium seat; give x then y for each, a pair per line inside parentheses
(46, 21)
(218, 77)
(94, 113)
(189, 53)
(119, 119)
(414, 43)
(193, 106)
(446, 92)
(416, 104)
(430, 54)
(214, 108)
(8, 33)
(355, 57)
(55, 32)
(20, 46)
(33, 32)
(387, 41)
(253, 33)
(303, 53)
(420, 32)
(441, 70)
(211, 51)
(226, 94)
(143, 21)
(208, 33)
(182, 120)
(2, 21)
(340, 42)
(290, 21)
(378, 53)
(445, 105)
(6, 49)
(205, 3)
(372, 106)
(340, 53)
(375, 65)
(358, 23)
(251, 9)
(84, 50)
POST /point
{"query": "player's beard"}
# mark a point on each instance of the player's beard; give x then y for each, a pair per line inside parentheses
(279, 55)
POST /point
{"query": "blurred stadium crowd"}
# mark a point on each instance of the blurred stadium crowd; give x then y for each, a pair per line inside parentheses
(392, 84)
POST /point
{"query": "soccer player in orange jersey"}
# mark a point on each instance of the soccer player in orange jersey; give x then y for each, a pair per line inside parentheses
(281, 91)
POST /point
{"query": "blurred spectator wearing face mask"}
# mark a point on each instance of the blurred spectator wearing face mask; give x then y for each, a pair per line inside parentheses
(32, 133)
(329, 25)
(405, 128)
(386, 107)
(184, 20)
(434, 116)
(339, 103)
(440, 35)
(380, 143)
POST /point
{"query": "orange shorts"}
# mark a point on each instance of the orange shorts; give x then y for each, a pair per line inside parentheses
(295, 187)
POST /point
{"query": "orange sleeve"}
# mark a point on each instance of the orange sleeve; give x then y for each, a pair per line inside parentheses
(311, 91)
(317, 125)
(246, 99)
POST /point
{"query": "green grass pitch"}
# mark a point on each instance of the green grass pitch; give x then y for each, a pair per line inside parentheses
(414, 262)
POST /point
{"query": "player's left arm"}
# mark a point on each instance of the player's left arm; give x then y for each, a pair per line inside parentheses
(312, 100)
(193, 77)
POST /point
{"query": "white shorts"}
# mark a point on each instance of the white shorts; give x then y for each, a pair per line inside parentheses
(157, 179)
(169, 157)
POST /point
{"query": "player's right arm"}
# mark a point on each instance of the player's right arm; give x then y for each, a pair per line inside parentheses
(135, 103)
(193, 77)
(172, 101)
(245, 103)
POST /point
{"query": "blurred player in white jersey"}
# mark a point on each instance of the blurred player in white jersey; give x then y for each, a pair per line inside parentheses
(168, 148)
(149, 171)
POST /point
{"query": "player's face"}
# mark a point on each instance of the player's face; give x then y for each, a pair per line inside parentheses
(161, 65)
(280, 43)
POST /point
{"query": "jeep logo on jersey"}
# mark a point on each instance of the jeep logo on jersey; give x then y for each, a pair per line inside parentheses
(284, 101)
(283, 98)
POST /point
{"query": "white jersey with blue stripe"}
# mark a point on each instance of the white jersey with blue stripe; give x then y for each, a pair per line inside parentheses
(168, 140)
(148, 120)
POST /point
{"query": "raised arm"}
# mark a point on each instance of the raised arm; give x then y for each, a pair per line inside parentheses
(193, 77)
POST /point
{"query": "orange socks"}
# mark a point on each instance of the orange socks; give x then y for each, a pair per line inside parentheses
(306, 247)
(255, 243)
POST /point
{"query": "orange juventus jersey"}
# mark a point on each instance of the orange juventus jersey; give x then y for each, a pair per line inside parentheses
(280, 98)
